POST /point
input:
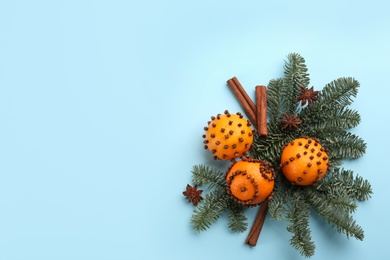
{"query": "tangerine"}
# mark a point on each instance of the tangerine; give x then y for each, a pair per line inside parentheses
(250, 182)
(228, 136)
(304, 161)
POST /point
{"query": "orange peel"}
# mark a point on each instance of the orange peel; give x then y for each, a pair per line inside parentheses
(250, 181)
(228, 136)
(304, 161)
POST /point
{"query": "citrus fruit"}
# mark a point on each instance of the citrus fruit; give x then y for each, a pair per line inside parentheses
(250, 181)
(304, 161)
(228, 136)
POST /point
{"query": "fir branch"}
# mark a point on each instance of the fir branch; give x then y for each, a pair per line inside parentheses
(277, 207)
(269, 149)
(276, 107)
(335, 96)
(298, 217)
(339, 92)
(341, 180)
(344, 145)
(340, 197)
(204, 175)
(339, 117)
(237, 218)
(361, 189)
(334, 214)
(295, 76)
(209, 211)
(216, 201)
(343, 201)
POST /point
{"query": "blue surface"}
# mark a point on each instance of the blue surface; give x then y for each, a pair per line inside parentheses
(102, 108)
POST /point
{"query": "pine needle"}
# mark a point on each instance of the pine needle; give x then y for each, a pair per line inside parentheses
(237, 219)
(334, 214)
(295, 76)
(203, 175)
(209, 211)
(276, 106)
(298, 216)
(344, 181)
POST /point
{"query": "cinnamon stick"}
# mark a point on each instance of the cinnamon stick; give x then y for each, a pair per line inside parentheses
(243, 98)
(243, 92)
(255, 231)
(258, 116)
(261, 110)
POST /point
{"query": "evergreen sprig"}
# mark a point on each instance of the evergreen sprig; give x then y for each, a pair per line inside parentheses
(277, 207)
(342, 182)
(237, 219)
(335, 214)
(339, 92)
(209, 211)
(298, 216)
(215, 202)
(295, 76)
(328, 119)
(276, 106)
(345, 145)
(269, 149)
(336, 95)
(342, 118)
(203, 175)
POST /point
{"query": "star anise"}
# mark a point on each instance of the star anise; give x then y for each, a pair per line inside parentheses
(193, 194)
(290, 121)
(307, 95)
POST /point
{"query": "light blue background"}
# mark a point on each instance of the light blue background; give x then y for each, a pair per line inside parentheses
(102, 108)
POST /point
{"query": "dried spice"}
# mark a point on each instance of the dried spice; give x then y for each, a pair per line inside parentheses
(261, 110)
(290, 121)
(307, 95)
(193, 194)
(243, 98)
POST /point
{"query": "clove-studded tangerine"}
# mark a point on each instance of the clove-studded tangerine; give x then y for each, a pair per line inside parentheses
(228, 136)
(250, 181)
(304, 161)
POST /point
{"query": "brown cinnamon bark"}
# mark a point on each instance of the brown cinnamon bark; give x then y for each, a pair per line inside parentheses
(243, 98)
(254, 233)
(261, 110)
(243, 92)
(258, 116)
